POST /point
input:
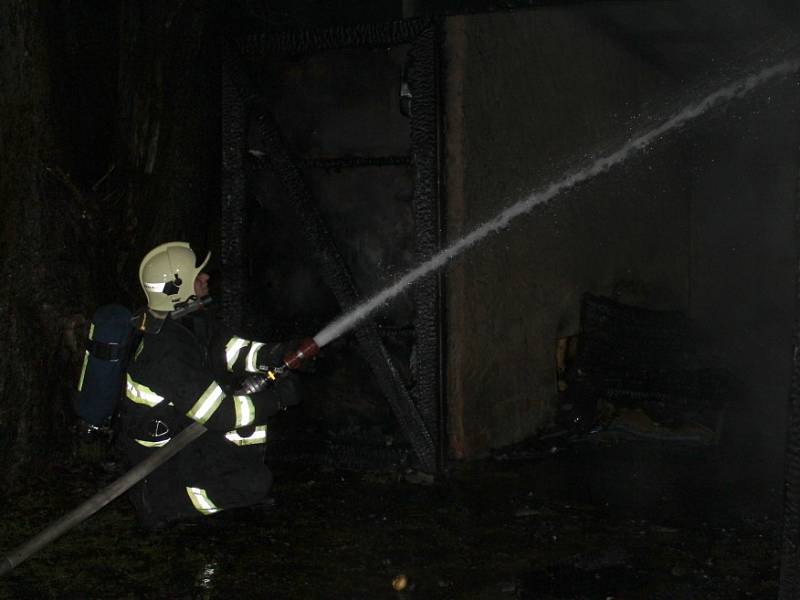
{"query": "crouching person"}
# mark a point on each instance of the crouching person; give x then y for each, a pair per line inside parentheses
(188, 368)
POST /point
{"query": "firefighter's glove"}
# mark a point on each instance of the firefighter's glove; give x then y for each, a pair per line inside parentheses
(287, 391)
(253, 384)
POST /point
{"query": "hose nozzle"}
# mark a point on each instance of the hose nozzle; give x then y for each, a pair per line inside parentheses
(308, 348)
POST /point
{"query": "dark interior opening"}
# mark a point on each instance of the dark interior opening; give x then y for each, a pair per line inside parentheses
(340, 199)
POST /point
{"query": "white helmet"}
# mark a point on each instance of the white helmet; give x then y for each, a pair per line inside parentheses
(167, 275)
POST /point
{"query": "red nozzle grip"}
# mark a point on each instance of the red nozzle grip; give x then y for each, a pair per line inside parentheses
(307, 349)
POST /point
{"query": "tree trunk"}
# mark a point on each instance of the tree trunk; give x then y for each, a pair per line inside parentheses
(109, 145)
(43, 283)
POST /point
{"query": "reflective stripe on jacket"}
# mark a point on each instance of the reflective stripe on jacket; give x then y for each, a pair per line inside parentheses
(182, 373)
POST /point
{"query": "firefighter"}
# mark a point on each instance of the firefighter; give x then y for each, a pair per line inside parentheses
(187, 367)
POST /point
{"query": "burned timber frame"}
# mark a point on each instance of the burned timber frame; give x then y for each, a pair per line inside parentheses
(420, 414)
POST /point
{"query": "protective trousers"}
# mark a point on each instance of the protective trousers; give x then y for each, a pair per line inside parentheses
(208, 476)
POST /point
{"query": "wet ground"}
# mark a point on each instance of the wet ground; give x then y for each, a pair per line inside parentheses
(610, 520)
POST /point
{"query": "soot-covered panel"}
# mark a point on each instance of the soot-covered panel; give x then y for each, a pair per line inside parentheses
(337, 189)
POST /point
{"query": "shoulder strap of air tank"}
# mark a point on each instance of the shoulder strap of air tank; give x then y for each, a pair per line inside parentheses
(143, 322)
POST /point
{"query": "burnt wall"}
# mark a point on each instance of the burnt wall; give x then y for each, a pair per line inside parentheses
(341, 199)
(542, 91)
(700, 222)
(744, 165)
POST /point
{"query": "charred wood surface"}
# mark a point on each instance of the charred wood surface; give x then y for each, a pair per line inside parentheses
(332, 265)
(423, 81)
(313, 40)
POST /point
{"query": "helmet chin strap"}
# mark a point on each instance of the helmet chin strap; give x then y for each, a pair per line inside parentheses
(192, 304)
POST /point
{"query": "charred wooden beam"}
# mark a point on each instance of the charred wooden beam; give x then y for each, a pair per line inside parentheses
(332, 266)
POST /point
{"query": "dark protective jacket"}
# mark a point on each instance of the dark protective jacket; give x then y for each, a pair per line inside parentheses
(187, 371)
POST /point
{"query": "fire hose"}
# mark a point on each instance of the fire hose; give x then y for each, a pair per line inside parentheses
(291, 361)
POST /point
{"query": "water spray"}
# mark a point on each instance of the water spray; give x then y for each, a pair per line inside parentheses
(737, 89)
(351, 318)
